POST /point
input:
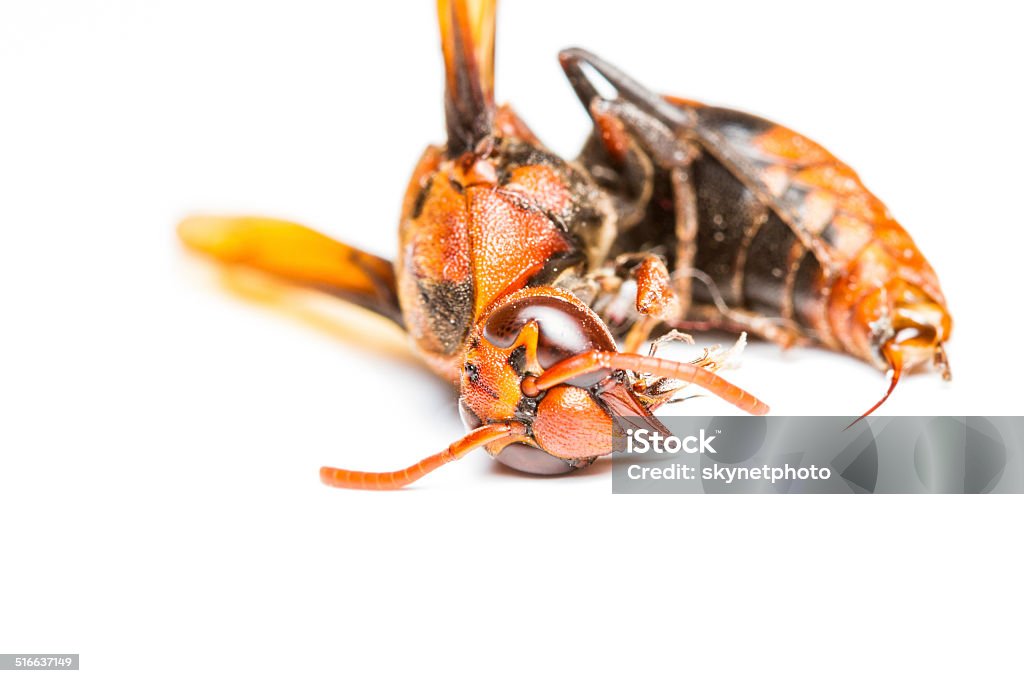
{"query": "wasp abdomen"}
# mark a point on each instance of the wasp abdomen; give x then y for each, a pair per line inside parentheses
(788, 231)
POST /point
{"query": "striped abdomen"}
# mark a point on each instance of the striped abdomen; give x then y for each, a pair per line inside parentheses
(788, 231)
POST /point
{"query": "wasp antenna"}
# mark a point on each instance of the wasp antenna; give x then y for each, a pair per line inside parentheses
(467, 39)
(383, 481)
(591, 361)
(895, 359)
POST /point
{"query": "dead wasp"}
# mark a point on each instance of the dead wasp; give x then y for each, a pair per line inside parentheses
(502, 246)
(517, 269)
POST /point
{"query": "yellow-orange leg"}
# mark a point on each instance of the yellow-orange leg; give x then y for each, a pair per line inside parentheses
(591, 361)
(382, 481)
(639, 333)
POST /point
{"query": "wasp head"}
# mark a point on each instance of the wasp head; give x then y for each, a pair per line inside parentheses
(568, 425)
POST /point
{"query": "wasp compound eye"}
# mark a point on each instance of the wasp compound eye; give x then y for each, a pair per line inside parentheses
(564, 330)
(469, 418)
(526, 458)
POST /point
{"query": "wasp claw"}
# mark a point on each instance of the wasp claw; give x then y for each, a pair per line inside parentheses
(941, 361)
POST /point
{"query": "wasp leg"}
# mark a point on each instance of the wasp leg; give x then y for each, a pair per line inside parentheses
(639, 117)
(298, 254)
(627, 89)
(620, 165)
(639, 333)
(636, 143)
(656, 302)
(673, 155)
(672, 335)
(660, 127)
(777, 330)
(686, 235)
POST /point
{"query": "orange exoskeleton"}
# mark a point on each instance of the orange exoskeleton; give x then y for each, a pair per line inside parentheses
(518, 271)
(503, 248)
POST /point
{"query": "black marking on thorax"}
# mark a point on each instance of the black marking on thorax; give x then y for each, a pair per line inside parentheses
(421, 198)
(449, 307)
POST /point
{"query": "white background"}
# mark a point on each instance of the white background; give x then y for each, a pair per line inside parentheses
(161, 427)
